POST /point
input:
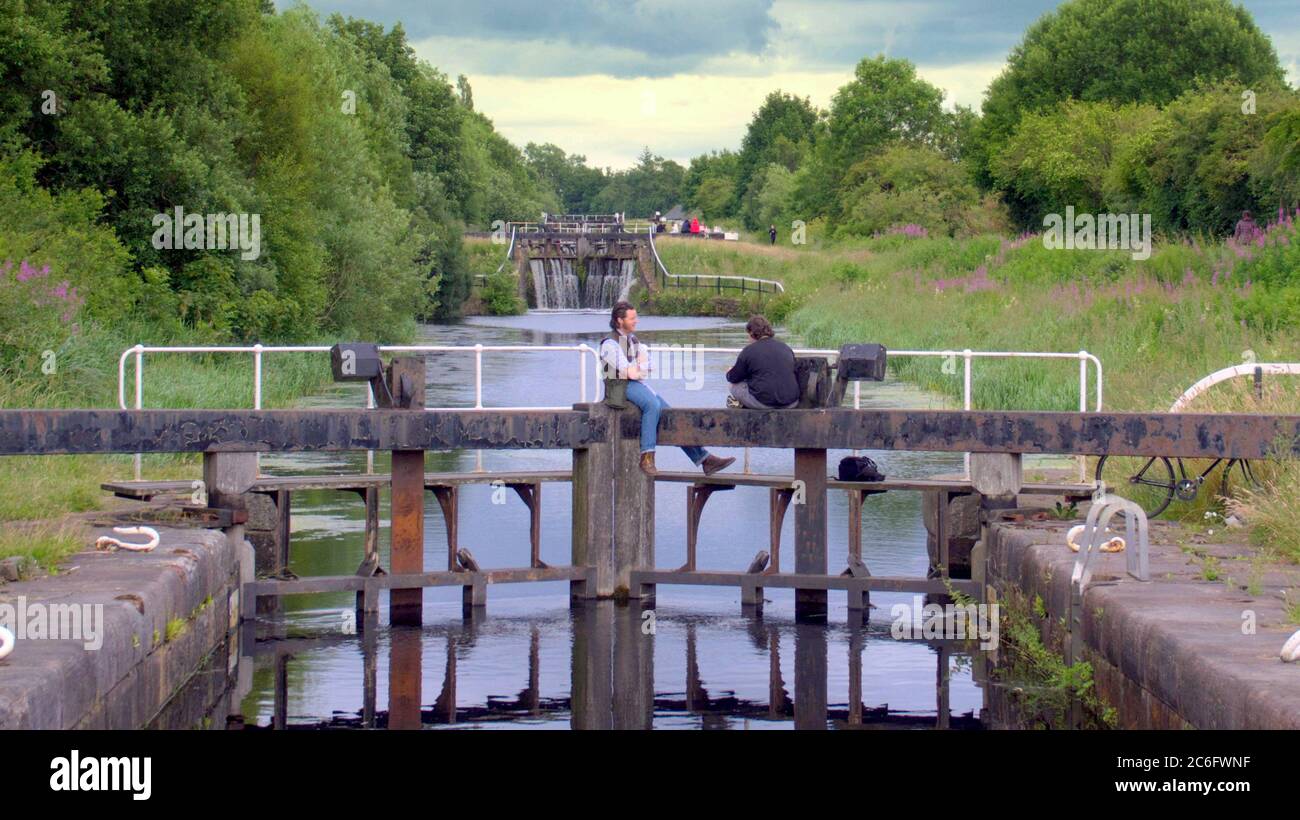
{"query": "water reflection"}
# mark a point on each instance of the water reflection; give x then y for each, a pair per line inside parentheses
(625, 668)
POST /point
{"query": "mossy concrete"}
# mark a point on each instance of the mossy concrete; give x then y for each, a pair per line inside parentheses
(1170, 652)
(192, 575)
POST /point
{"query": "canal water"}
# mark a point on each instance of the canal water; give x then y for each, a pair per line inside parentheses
(531, 662)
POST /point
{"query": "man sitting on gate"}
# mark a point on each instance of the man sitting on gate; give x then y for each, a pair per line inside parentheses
(627, 364)
(763, 377)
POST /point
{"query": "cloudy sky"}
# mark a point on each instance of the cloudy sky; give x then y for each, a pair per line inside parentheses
(603, 78)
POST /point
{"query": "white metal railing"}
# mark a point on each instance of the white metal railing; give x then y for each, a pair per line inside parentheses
(258, 351)
(744, 280)
(576, 227)
(1273, 369)
(510, 252)
(967, 356)
(583, 350)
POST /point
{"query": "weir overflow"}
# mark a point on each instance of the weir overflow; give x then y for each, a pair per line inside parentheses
(577, 265)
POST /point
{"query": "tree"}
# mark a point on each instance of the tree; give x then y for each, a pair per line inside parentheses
(710, 184)
(1201, 162)
(906, 184)
(769, 198)
(434, 113)
(885, 102)
(568, 175)
(781, 131)
(466, 93)
(1144, 51)
(1063, 156)
(653, 184)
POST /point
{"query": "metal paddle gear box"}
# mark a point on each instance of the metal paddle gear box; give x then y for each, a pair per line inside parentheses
(356, 362)
(862, 362)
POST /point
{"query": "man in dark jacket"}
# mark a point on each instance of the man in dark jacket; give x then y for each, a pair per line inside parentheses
(763, 377)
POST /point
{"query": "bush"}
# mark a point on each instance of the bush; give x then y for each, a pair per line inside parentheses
(1269, 310)
(1122, 51)
(500, 295)
(1062, 156)
(906, 185)
(1201, 162)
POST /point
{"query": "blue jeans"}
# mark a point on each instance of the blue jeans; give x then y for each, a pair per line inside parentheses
(651, 403)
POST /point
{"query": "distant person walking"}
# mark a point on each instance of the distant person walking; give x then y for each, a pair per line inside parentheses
(763, 377)
(1247, 229)
(626, 358)
(771, 232)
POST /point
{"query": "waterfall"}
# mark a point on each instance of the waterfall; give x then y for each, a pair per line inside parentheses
(557, 288)
(555, 284)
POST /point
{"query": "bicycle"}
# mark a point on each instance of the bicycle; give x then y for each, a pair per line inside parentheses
(1154, 486)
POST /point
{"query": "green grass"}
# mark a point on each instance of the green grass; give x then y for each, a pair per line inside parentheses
(1271, 511)
(1157, 326)
(1292, 608)
(1155, 331)
(44, 488)
(45, 544)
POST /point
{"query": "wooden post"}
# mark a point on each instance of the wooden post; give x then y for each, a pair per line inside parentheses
(404, 679)
(997, 477)
(406, 606)
(227, 478)
(593, 512)
(996, 474)
(810, 676)
(613, 510)
(592, 673)
(634, 511)
(370, 560)
(633, 673)
(810, 531)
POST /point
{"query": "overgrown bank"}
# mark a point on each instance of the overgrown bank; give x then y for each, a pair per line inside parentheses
(1158, 325)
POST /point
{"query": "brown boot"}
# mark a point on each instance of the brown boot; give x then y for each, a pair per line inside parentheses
(712, 464)
(648, 464)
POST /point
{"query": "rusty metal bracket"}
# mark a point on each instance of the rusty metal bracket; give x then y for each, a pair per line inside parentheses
(214, 517)
(697, 495)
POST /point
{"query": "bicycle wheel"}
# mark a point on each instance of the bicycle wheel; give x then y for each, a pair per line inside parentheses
(1147, 482)
(1246, 472)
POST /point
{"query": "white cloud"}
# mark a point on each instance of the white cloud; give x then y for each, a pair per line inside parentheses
(609, 119)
